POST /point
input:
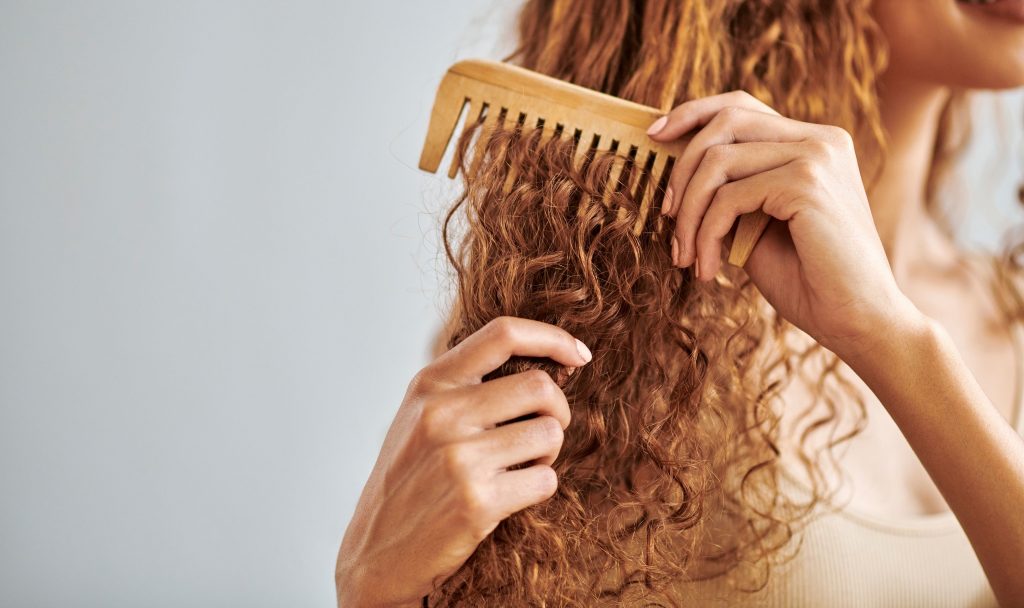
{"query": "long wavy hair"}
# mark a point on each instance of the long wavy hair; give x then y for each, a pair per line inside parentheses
(670, 470)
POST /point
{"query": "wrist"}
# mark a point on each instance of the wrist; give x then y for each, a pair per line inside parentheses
(347, 589)
(900, 334)
(356, 590)
(353, 592)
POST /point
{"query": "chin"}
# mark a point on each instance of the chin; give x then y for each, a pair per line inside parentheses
(971, 44)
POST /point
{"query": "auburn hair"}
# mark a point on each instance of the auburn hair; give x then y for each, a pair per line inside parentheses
(675, 424)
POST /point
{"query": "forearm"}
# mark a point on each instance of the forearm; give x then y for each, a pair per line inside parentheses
(974, 457)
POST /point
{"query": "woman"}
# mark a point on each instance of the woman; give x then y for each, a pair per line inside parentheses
(666, 457)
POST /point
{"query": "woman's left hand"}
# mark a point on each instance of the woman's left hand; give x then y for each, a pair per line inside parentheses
(821, 265)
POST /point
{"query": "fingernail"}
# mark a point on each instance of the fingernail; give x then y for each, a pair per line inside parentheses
(584, 351)
(666, 203)
(696, 267)
(675, 251)
(658, 125)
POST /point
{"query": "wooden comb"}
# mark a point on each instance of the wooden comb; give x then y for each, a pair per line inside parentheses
(503, 92)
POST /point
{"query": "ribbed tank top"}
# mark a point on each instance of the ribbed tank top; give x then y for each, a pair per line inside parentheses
(851, 558)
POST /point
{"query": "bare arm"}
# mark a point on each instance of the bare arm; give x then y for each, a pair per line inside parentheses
(822, 266)
(974, 457)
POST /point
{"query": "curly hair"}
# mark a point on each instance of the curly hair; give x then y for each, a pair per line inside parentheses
(675, 432)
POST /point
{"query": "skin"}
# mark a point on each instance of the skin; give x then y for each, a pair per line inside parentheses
(440, 485)
(871, 278)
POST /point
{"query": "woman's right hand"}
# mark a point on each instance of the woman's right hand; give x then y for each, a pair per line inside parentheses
(441, 484)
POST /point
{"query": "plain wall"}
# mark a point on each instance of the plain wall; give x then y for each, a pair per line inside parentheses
(218, 271)
(217, 274)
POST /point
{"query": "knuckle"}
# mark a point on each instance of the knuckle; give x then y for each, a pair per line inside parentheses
(806, 170)
(723, 204)
(421, 381)
(744, 96)
(840, 136)
(539, 384)
(547, 482)
(717, 153)
(723, 194)
(503, 328)
(551, 430)
(819, 148)
(456, 461)
(474, 508)
(434, 419)
(731, 113)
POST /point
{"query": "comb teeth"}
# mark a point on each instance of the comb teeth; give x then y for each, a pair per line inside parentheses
(654, 178)
(526, 124)
(492, 121)
(614, 177)
(476, 107)
(586, 143)
(503, 93)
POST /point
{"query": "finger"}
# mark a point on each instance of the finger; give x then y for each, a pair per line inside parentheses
(729, 202)
(538, 439)
(532, 392)
(486, 349)
(732, 125)
(774, 263)
(689, 115)
(721, 165)
(521, 488)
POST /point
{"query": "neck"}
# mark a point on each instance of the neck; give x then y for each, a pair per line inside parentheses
(910, 114)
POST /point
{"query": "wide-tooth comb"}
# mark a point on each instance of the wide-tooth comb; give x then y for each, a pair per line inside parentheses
(509, 93)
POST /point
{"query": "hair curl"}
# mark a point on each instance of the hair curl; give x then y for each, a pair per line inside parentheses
(674, 435)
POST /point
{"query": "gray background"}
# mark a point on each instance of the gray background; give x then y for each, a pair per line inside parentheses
(218, 270)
